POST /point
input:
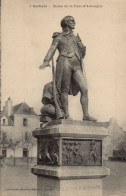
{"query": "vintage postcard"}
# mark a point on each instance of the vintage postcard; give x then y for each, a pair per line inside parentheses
(63, 63)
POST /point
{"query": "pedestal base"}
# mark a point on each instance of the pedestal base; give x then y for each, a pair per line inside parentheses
(69, 161)
(74, 181)
(71, 172)
(78, 187)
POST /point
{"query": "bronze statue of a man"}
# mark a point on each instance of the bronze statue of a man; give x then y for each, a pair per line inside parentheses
(69, 71)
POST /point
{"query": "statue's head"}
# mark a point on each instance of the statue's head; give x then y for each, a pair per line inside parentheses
(68, 21)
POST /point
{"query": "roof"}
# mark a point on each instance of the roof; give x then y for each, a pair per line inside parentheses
(16, 107)
(23, 108)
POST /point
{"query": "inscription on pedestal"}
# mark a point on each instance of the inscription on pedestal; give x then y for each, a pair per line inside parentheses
(48, 151)
(81, 152)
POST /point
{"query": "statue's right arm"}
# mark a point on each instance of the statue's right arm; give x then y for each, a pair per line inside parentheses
(50, 53)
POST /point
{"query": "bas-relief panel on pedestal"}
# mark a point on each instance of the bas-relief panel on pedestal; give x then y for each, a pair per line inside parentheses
(81, 152)
(74, 152)
(48, 151)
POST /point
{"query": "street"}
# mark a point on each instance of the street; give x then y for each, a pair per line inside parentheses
(18, 180)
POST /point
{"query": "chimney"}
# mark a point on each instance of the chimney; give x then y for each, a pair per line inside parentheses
(8, 107)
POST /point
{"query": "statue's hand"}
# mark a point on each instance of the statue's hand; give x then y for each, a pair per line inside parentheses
(44, 65)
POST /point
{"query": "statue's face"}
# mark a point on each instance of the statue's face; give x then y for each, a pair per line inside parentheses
(71, 23)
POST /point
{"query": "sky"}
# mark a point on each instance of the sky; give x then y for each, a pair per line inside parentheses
(27, 28)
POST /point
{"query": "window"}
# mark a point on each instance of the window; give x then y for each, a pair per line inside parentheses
(25, 152)
(4, 121)
(24, 122)
(4, 152)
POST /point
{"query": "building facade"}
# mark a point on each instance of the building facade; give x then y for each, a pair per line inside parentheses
(114, 140)
(17, 124)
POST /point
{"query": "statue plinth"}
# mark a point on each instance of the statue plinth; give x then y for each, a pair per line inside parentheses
(69, 158)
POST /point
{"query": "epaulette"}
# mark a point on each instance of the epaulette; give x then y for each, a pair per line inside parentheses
(55, 34)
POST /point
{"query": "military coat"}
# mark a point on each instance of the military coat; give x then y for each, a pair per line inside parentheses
(68, 45)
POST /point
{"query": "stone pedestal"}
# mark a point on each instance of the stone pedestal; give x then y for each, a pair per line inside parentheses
(69, 160)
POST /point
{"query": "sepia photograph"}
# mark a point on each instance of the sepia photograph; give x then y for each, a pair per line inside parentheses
(63, 98)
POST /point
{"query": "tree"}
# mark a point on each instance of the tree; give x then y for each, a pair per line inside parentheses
(122, 147)
(13, 144)
(3, 144)
(122, 143)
